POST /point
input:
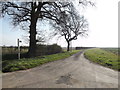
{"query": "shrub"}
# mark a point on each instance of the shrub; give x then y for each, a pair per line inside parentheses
(41, 50)
(48, 49)
(53, 49)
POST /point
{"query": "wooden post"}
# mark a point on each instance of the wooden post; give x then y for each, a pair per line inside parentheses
(18, 49)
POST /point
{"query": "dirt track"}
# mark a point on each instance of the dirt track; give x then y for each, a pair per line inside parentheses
(73, 72)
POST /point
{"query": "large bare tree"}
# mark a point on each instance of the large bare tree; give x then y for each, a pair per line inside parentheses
(28, 13)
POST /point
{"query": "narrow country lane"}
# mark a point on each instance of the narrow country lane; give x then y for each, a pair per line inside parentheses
(73, 72)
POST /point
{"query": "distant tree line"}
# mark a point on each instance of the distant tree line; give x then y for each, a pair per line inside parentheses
(78, 48)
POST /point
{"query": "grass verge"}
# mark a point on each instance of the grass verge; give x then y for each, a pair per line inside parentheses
(26, 63)
(103, 57)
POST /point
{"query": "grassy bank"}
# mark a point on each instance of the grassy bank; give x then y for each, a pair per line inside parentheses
(26, 63)
(104, 57)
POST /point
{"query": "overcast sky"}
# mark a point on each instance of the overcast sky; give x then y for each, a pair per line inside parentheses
(103, 28)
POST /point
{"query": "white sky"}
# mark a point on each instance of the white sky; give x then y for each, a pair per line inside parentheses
(103, 25)
(103, 28)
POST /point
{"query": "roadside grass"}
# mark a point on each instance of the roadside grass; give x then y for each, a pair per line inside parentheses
(26, 63)
(103, 57)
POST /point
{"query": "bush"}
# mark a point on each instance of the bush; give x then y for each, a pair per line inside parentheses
(41, 50)
(48, 49)
(53, 49)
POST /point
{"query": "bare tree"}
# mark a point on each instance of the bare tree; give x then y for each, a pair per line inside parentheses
(28, 12)
(71, 24)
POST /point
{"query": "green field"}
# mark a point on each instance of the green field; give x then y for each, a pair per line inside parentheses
(105, 56)
(113, 50)
(26, 63)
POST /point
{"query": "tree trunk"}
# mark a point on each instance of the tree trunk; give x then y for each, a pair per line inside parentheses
(32, 43)
(68, 46)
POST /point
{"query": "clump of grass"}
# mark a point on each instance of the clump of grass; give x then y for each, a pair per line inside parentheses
(26, 63)
(103, 57)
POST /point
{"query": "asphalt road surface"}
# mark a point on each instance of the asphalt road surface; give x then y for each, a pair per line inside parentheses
(73, 72)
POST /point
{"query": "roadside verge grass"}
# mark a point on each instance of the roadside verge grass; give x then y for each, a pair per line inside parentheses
(26, 63)
(103, 57)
